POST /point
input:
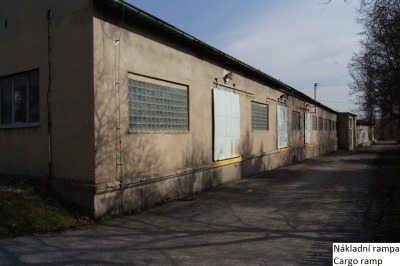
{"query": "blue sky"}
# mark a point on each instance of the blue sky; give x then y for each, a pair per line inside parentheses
(297, 42)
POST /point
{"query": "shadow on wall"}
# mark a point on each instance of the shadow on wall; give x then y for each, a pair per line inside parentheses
(196, 157)
(297, 154)
(197, 175)
(257, 163)
(261, 162)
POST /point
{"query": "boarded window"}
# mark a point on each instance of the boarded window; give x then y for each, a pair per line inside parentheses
(282, 128)
(19, 100)
(314, 123)
(226, 124)
(295, 120)
(307, 127)
(259, 116)
(157, 108)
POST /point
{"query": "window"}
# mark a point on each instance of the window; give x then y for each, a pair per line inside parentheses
(295, 120)
(350, 123)
(320, 123)
(325, 124)
(157, 108)
(19, 100)
(259, 116)
(314, 123)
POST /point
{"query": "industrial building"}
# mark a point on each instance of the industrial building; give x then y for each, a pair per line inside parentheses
(118, 109)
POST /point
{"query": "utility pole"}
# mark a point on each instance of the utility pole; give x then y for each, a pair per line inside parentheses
(326, 85)
(315, 91)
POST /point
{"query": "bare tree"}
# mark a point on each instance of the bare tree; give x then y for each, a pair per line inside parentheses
(376, 68)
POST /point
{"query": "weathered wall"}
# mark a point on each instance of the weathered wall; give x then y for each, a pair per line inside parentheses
(24, 150)
(347, 131)
(168, 165)
(365, 134)
(91, 60)
(25, 31)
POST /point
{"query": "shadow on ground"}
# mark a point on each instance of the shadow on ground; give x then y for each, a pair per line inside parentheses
(288, 216)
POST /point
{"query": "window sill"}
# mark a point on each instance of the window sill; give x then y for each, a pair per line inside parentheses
(159, 132)
(13, 126)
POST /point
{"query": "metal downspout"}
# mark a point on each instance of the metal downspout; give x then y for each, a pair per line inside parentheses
(49, 118)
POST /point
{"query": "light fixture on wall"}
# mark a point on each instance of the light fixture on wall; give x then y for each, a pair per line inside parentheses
(283, 97)
(227, 76)
(49, 14)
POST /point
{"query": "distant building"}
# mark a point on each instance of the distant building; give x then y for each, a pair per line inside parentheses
(119, 109)
(365, 133)
(347, 131)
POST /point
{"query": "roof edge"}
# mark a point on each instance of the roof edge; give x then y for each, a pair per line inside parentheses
(258, 74)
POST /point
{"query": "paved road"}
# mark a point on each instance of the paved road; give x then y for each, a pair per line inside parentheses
(288, 216)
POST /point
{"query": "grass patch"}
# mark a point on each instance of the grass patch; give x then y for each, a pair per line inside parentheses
(27, 208)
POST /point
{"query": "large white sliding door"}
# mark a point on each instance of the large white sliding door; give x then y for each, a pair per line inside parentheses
(226, 124)
(307, 127)
(282, 122)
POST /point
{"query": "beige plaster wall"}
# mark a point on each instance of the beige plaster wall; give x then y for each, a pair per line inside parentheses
(24, 46)
(162, 162)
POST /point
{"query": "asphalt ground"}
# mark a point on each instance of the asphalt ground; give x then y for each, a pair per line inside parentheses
(287, 216)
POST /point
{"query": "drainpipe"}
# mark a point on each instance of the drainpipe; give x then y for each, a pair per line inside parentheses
(49, 125)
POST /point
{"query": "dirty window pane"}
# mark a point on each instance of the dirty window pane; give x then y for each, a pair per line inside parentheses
(320, 123)
(259, 116)
(295, 120)
(157, 108)
(20, 87)
(6, 101)
(19, 100)
(34, 97)
(314, 123)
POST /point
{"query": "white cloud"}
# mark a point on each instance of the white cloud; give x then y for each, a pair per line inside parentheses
(300, 43)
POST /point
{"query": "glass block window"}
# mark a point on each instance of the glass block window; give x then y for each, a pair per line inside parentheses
(259, 116)
(314, 123)
(320, 123)
(157, 108)
(19, 100)
(295, 120)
